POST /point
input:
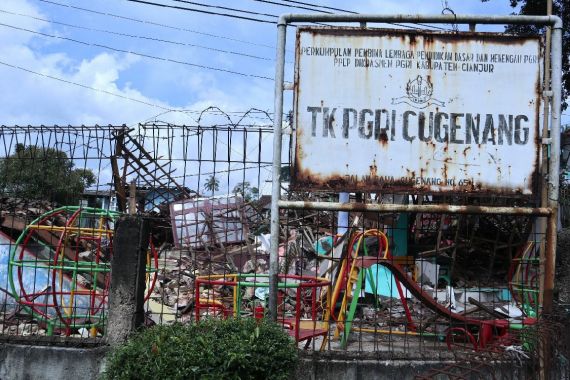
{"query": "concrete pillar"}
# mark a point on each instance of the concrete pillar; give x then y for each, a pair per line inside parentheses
(127, 288)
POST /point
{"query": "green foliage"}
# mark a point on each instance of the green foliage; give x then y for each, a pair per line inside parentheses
(246, 191)
(212, 184)
(286, 173)
(211, 349)
(43, 173)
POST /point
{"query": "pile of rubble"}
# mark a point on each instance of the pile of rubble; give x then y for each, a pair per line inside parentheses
(225, 235)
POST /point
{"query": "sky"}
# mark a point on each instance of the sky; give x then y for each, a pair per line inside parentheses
(221, 61)
(87, 62)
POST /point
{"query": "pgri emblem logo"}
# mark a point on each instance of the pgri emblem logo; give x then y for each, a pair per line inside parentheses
(419, 93)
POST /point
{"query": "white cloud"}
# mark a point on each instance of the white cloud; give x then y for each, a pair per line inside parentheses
(32, 99)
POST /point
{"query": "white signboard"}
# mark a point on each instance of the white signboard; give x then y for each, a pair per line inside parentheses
(398, 111)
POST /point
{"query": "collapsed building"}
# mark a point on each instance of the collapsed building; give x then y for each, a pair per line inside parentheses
(395, 284)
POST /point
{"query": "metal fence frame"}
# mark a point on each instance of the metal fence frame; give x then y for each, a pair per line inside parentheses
(548, 209)
(155, 156)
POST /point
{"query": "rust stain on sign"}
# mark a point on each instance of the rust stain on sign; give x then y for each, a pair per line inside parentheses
(416, 111)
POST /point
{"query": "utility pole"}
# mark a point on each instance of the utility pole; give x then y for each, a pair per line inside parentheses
(545, 136)
(544, 372)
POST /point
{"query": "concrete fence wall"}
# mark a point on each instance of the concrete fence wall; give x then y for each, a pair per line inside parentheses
(26, 362)
(55, 359)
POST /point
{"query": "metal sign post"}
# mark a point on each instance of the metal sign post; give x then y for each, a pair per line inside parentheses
(402, 110)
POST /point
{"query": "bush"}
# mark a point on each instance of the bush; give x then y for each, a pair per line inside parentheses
(212, 349)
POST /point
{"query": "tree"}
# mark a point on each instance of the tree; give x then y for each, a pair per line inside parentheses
(285, 173)
(246, 191)
(43, 173)
(561, 8)
(212, 184)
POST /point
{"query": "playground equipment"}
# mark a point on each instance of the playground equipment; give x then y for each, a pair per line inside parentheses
(309, 320)
(59, 268)
(352, 276)
(524, 274)
(355, 269)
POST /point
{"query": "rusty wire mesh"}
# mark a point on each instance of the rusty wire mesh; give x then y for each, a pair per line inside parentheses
(437, 286)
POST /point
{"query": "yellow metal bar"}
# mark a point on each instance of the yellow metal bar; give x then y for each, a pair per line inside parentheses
(147, 273)
(233, 277)
(235, 298)
(392, 332)
(70, 308)
(100, 227)
(85, 230)
(211, 302)
(326, 317)
(213, 276)
(353, 275)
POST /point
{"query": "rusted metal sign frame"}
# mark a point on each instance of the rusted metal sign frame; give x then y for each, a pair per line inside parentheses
(550, 210)
(433, 137)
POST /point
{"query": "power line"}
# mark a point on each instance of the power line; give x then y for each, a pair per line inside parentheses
(306, 8)
(285, 5)
(136, 53)
(256, 13)
(328, 9)
(320, 6)
(246, 18)
(134, 124)
(156, 24)
(234, 169)
(90, 88)
(136, 36)
(227, 8)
